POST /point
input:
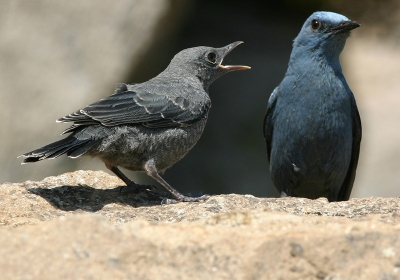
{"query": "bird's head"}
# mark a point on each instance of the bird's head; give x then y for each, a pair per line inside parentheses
(204, 63)
(324, 33)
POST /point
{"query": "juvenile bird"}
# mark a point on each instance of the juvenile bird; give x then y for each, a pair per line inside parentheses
(149, 126)
(312, 127)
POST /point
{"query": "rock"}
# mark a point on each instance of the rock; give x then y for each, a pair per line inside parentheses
(78, 225)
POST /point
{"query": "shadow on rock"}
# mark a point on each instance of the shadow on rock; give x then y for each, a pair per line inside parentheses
(71, 198)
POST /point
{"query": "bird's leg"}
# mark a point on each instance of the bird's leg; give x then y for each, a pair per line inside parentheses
(151, 170)
(130, 185)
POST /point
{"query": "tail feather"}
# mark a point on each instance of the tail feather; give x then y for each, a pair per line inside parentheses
(56, 149)
(81, 149)
(59, 153)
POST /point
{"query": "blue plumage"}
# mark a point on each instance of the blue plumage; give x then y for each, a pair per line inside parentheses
(312, 126)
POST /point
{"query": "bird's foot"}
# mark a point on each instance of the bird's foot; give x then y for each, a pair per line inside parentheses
(184, 198)
(136, 188)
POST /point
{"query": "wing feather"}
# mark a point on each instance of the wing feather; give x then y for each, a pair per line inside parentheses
(268, 126)
(138, 106)
(347, 186)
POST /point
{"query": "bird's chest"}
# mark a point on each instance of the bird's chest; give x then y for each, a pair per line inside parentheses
(132, 146)
(315, 123)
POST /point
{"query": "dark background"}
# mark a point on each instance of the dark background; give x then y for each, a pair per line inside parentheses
(40, 84)
(231, 156)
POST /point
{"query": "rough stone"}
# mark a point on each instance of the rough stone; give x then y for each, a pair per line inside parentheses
(78, 225)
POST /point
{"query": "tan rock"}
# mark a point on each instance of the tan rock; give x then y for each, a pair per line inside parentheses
(78, 226)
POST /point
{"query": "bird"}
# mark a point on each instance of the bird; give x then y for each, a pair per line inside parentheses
(312, 127)
(146, 126)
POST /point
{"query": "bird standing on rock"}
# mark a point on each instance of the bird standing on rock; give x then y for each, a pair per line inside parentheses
(312, 127)
(148, 126)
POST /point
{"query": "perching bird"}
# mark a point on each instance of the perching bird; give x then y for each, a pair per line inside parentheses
(148, 126)
(312, 127)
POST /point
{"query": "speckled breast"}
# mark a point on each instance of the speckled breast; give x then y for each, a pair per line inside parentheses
(131, 146)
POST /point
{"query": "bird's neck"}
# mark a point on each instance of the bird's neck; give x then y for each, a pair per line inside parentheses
(313, 60)
(181, 76)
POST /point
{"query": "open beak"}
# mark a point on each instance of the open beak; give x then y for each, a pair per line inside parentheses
(344, 27)
(225, 51)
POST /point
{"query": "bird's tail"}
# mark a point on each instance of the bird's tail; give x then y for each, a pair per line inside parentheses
(71, 146)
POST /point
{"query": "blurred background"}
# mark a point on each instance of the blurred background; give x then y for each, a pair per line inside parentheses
(58, 56)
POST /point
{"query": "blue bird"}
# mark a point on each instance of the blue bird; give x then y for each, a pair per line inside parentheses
(312, 127)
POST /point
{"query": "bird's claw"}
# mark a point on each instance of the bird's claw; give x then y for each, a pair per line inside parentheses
(184, 198)
(284, 194)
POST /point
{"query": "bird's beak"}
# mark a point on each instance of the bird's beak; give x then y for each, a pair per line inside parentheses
(344, 27)
(225, 51)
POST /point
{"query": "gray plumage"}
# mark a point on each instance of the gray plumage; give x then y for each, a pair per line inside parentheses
(148, 126)
(312, 126)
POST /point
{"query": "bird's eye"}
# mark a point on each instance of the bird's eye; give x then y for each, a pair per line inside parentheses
(315, 24)
(212, 57)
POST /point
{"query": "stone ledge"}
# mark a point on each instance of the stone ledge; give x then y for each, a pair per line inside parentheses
(77, 225)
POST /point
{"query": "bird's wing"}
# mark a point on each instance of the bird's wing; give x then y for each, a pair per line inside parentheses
(268, 126)
(345, 190)
(138, 106)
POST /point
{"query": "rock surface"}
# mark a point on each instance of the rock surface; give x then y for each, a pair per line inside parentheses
(78, 225)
